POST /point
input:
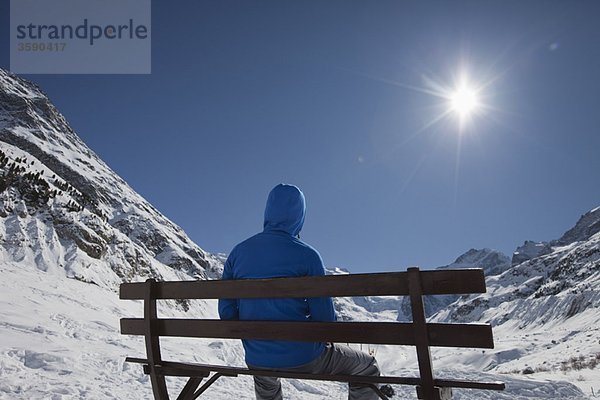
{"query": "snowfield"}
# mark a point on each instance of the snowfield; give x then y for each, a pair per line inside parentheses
(60, 340)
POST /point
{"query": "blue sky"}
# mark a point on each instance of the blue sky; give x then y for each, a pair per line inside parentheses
(332, 97)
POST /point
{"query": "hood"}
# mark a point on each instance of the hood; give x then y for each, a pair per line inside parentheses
(285, 209)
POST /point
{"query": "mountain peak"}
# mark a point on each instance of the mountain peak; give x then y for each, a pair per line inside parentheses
(529, 250)
(587, 226)
(492, 261)
(62, 206)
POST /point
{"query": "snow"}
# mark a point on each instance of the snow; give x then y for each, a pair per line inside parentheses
(17, 87)
(60, 340)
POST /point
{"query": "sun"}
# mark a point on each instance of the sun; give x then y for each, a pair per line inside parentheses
(463, 101)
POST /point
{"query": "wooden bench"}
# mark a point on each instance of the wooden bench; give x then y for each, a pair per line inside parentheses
(419, 333)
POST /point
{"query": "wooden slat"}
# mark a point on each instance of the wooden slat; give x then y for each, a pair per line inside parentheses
(497, 385)
(171, 368)
(180, 369)
(453, 281)
(440, 335)
(459, 281)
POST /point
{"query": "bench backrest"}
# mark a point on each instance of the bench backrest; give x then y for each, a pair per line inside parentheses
(413, 283)
(378, 284)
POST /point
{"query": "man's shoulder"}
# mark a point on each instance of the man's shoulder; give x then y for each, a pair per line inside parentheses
(245, 243)
(268, 238)
(307, 247)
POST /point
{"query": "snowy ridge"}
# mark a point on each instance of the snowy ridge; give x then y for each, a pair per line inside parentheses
(398, 307)
(555, 286)
(587, 226)
(529, 250)
(491, 261)
(545, 313)
(61, 206)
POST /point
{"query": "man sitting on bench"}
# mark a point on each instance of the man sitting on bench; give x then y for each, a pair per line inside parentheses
(278, 252)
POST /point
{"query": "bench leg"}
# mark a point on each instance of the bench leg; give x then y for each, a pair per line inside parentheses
(208, 383)
(189, 388)
(439, 393)
(159, 386)
(189, 392)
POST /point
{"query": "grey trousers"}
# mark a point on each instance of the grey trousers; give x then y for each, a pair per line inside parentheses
(335, 359)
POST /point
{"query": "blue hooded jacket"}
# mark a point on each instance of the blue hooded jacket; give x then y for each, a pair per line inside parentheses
(277, 252)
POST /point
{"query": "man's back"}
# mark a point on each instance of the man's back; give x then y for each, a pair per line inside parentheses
(276, 252)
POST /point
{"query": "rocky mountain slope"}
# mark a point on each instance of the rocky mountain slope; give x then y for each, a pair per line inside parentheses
(545, 311)
(554, 286)
(62, 208)
(493, 262)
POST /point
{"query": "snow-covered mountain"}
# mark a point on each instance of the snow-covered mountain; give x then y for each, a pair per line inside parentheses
(529, 250)
(493, 262)
(71, 230)
(545, 310)
(61, 207)
(554, 286)
(587, 226)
